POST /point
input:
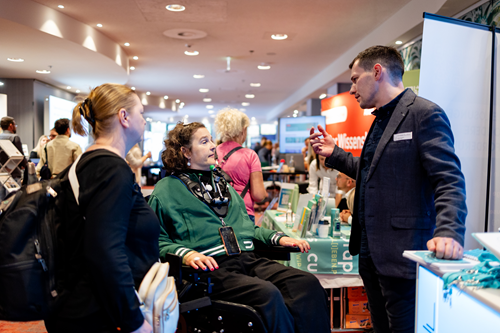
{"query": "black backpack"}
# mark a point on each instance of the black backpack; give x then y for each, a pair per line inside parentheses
(30, 286)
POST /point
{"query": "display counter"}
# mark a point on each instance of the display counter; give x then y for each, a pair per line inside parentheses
(456, 309)
(328, 258)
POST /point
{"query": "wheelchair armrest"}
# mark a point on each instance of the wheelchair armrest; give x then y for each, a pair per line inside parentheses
(273, 252)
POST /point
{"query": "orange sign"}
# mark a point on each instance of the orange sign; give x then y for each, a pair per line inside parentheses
(346, 121)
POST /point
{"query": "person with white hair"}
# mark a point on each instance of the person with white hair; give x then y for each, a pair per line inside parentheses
(241, 164)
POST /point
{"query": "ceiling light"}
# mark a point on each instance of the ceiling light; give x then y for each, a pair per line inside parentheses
(249, 95)
(68, 87)
(186, 116)
(135, 57)
(132, 68)
(253, 118)
(279, 36)
(149, 119)
(1, 83)
(171, 119)
(210, 106)
(126, 44)
(77, 91)
(177, 101)
(133, 88)
(148, 93)
(165, 97)
(175, 8)
(295, 111)
(198, 76)
(212, 116)
(15, 59)
(42, 71)
(191, 53)
(211, 111)
(207, 100)
(99, 25)
(398, 42)
(322, 96)
(60, 6)
(242, 109)
(264, 67)
(204, 90)
(245, 104)
(295, 115)
(254, 84)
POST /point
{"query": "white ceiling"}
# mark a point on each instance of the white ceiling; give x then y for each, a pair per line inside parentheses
(320, 32)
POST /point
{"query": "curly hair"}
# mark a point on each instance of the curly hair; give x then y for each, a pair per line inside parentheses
(230, 123)
(181, 136)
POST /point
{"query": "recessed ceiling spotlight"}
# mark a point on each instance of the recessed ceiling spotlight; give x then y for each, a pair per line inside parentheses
(204, 90)
(15, 59)
(126, 44)
(175, 8)
(99, 25)
(398, 42)
(295, 115)
(245, 104)
(42, 71)
(191, 53)
(133, 88)
(295, 111)
(322, 96)
(135, 57)
(61, 6)
(264, 67)
(165, 97)
(210, 106)
(279, 36)
(254, 84)
(77, 91)
(177, 100)
(211, 111)
(253, 118)
(249, 95)
(1, 83)
(243, 109)
(198, 76)
(182, 105)
(68, 87)
(148, 93)
(132, 68)
(207, 100)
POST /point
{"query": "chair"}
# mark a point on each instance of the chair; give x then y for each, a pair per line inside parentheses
(199, 313)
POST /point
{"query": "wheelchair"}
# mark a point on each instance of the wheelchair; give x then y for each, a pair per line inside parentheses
(200, 314)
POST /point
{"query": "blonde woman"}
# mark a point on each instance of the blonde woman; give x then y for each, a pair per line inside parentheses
(38, 150)
(242, 164)
(111, 241)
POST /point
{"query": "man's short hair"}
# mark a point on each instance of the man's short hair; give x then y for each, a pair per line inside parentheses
(5, 122)
(61, 125)
(387, 56)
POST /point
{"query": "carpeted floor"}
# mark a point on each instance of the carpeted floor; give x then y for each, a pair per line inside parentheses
(29, 326)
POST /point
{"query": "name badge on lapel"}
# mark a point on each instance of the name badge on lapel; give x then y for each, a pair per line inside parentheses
(403, 136)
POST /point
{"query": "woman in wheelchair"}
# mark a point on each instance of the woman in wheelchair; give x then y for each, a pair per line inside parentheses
(204, 220)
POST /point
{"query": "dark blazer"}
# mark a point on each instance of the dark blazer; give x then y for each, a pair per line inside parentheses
(414, 189)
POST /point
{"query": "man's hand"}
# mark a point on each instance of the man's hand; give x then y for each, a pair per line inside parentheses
(322, 146)
(291, 242)
(148, 154)
(445, 248)
(344, 215)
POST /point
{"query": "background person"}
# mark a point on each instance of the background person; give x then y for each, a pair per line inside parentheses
(52, 134)
(242, 165)
(37, 151)
(9, 128)
(112, 241)
(410, 191)
(288, 300)
(136, 161)
(345, 186)
(265, 153)
(61, 152)
(318, 170)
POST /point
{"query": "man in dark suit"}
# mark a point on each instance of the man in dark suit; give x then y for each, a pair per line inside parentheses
(410, 191)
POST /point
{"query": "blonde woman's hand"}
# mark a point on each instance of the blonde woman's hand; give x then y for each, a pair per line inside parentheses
(292, 242)
(145, 328)
(198, 260)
